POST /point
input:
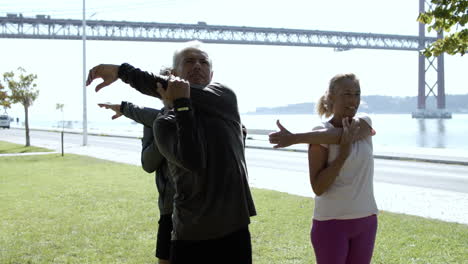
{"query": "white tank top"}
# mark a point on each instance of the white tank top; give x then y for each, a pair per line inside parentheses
(352, 194)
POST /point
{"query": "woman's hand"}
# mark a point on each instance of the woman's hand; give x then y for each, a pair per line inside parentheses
(350, 131)
(282, 138)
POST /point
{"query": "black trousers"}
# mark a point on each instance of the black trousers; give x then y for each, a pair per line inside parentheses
(234, 248)
(163, 241)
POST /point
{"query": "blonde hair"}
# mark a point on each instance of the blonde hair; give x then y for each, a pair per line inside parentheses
(325, 103)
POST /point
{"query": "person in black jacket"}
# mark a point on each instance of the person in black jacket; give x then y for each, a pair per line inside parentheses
(202, 139)
(153, 161)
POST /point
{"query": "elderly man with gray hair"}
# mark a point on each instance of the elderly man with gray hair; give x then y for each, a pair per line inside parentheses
(202, 139)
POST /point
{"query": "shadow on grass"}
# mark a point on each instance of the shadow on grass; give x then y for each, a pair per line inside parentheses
(15, 150)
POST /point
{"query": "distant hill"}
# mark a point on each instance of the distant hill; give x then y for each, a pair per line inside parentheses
(377, 104)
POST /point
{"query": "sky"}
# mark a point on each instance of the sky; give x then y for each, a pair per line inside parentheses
(261, 76)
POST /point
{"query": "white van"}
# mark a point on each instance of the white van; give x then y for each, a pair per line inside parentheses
(4, 121)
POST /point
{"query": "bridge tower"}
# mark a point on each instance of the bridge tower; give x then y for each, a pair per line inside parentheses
(434, 67)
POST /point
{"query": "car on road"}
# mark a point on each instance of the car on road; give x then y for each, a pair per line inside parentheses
(4, 121)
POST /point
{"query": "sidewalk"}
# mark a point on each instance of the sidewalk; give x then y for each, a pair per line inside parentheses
(27, 154)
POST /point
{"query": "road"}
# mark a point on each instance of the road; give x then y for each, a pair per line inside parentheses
(420, 188)
(409, 173)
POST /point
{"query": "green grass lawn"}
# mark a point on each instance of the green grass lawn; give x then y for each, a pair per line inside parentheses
(76, 209)
(7, 147)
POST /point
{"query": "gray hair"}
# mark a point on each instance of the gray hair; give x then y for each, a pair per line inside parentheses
(191, 45)
(165, 70)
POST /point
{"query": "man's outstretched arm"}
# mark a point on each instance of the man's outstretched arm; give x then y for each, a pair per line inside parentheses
(214, 99)
(143, 81)
(142, 115)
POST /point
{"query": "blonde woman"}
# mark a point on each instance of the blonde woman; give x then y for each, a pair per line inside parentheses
(341, 175)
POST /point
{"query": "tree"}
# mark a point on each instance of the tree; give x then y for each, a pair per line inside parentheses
(23, 91)
(4, 98)
(447, 16)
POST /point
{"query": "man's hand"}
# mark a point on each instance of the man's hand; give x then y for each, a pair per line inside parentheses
(176, 88)
(113, 107)
(108, 72)
(282, 138)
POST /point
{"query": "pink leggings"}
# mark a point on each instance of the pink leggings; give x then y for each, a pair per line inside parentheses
(348, 241)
